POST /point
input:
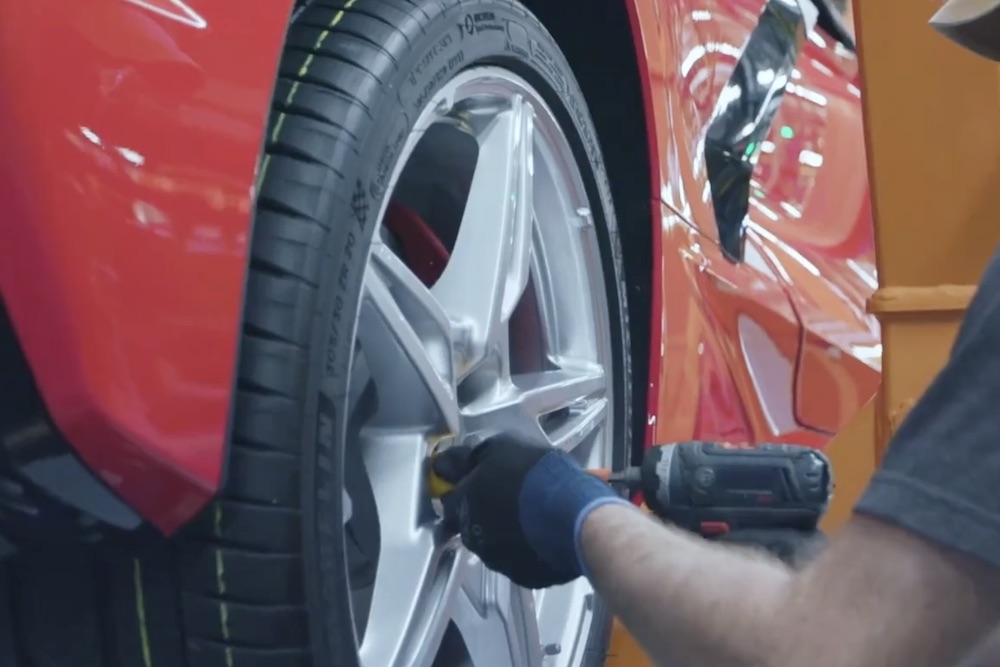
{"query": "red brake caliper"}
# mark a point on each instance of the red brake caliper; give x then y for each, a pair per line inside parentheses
(422, 250)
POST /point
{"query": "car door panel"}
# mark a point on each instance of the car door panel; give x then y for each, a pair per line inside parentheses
(730, 345)
(811, 184)
(731, 338)
(745, 112)
(682, 61)
(696, 395)
(765, 338)
(789, 76)
(723, 29)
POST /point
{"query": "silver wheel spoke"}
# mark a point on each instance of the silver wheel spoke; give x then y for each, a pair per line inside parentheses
(497, 620)
(494, 180)
(407, 336)
(415, 579)
(489, 266)
(519, 406)
(583, 421)
(405, 583)
(412, 597)
(395, 462)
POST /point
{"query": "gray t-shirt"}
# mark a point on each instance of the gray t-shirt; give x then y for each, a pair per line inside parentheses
(940, 478)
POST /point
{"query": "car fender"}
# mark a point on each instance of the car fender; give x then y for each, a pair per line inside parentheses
(131, 132)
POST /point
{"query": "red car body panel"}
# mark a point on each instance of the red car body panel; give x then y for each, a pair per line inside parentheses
(131, 138)
(132, 135)
(818, 205)
(777, 347)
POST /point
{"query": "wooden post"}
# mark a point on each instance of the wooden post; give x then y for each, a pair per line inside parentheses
(932, 119)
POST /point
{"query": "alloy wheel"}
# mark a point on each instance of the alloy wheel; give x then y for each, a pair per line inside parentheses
(500, 323)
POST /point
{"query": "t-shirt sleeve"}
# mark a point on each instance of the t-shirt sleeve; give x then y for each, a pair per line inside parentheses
(940, 478)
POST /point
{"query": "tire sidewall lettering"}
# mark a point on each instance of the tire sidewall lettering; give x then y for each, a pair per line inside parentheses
(457, 38)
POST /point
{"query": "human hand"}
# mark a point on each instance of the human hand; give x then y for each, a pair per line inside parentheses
(519, 507)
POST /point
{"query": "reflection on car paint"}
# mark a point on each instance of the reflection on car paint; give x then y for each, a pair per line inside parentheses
(175, 10)
(808, 262)
(138, 153)
(743, 116)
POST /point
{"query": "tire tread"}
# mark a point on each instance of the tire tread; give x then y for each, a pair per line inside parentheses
(255, 526)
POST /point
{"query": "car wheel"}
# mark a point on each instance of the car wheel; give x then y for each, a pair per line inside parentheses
(434, 260)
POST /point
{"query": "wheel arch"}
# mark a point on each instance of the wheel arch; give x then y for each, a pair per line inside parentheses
(127, 182)
(613, 85)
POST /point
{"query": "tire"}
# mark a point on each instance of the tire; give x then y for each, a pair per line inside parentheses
(263, 571)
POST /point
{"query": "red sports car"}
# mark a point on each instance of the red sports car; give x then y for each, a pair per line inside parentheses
(260, 259)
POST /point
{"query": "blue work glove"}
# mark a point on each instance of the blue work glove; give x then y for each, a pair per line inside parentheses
(520, 507)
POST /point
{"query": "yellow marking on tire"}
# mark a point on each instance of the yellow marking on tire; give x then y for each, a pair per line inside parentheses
(140, 610)
(220, 569)
(291, 93)
(303, 71)
(220, 584)
(277, 127)
(305, 65)
(220, 573)
(337, 18)
(260, 174)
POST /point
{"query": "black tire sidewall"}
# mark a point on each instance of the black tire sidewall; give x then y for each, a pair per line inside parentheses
(455, 36)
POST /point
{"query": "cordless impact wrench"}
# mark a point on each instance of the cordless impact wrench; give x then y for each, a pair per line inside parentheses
(767, 495)
(715, 488)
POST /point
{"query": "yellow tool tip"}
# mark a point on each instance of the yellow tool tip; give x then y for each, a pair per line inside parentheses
(437, 486)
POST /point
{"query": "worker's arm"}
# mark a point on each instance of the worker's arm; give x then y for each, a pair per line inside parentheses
(911, 581)
(877, 596)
